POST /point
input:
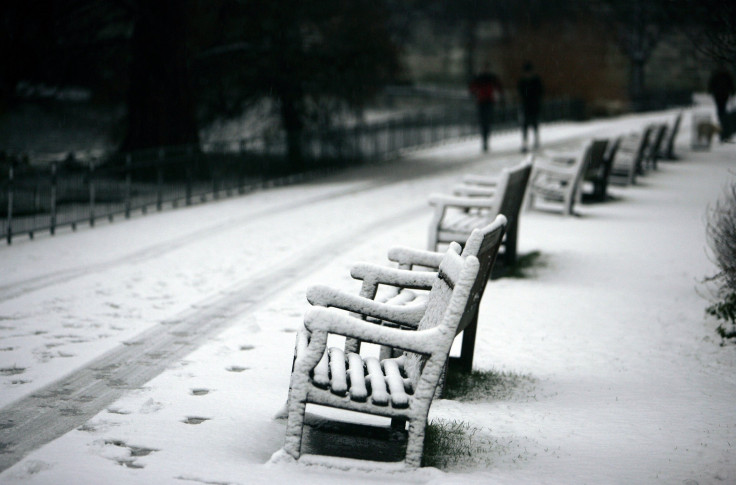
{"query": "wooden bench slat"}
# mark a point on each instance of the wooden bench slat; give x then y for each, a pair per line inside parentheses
(338, 372)
(379, 393)
(396, 384)
(356, 370)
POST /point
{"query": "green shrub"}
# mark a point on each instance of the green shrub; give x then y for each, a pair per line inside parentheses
(725, 310)
(721, 231)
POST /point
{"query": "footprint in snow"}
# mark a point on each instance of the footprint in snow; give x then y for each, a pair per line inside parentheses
(195, 420)
(133, 453)
(118, 411)
(236, 368)
(12, 371)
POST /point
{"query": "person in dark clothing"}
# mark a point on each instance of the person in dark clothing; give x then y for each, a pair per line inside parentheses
(487, 89)
(530, 93)
(721, 87)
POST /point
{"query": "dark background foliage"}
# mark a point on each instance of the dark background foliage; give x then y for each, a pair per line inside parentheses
(176, 66)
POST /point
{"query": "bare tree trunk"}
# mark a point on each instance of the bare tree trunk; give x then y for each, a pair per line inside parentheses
(636, 82)
(471, 45)
(292, 123)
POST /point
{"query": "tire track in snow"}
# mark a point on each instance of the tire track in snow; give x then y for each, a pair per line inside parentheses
(71, 401)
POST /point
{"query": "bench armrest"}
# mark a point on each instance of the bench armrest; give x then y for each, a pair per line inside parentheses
(410, 257)
(557, 169)
(562, 155)
(402, 278)
(469, 190)
(483, 180)
(441, 201)
(407, 315)
(325, 320)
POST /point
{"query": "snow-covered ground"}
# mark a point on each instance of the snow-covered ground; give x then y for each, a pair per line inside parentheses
(623, 378)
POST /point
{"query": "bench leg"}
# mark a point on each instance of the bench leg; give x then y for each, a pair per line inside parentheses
(468, 347)
(415, 442)
(439, 391)
(295, 428)
(512, 232)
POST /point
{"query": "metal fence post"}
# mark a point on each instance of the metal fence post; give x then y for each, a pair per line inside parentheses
(188, 190)
(159, 187)
(241, 177)
(215, 182)
(37, 193)
(160, 179)
(10, 203)
(54, 180)
(128, 181)
(91, 193)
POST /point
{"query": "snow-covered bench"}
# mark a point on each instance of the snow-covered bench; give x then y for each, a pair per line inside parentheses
(597, 170)
(557, 178)
(653, 150)
(668, 149)
(629, 157)
(483, 243)
(476, 203)
(399, 388)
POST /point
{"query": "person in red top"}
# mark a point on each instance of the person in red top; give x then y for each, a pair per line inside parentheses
(487, 89)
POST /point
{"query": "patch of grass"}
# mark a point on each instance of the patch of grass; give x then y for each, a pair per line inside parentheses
(486, 385)
(523, 267)
(721, 232)
(453, 444)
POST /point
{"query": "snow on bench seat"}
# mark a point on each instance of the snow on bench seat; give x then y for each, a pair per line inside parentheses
(384, 382)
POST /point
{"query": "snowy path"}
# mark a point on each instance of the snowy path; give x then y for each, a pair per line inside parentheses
(69, 402)
(109, 321)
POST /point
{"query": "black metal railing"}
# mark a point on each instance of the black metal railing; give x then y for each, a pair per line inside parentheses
(84, 189)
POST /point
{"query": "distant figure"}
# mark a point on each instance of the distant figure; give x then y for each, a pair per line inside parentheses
(721, 87)
(530, 93)
(487, 89)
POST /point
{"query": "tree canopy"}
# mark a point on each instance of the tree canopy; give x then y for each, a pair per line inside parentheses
(180, 63)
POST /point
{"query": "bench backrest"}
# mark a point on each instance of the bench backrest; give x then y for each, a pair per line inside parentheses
(517, 178)
(669, 151)
(624, 161)
(595, 154)
(447, 302)
(645, 141)
(483, 243)
(611, 151)
(658, 133)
